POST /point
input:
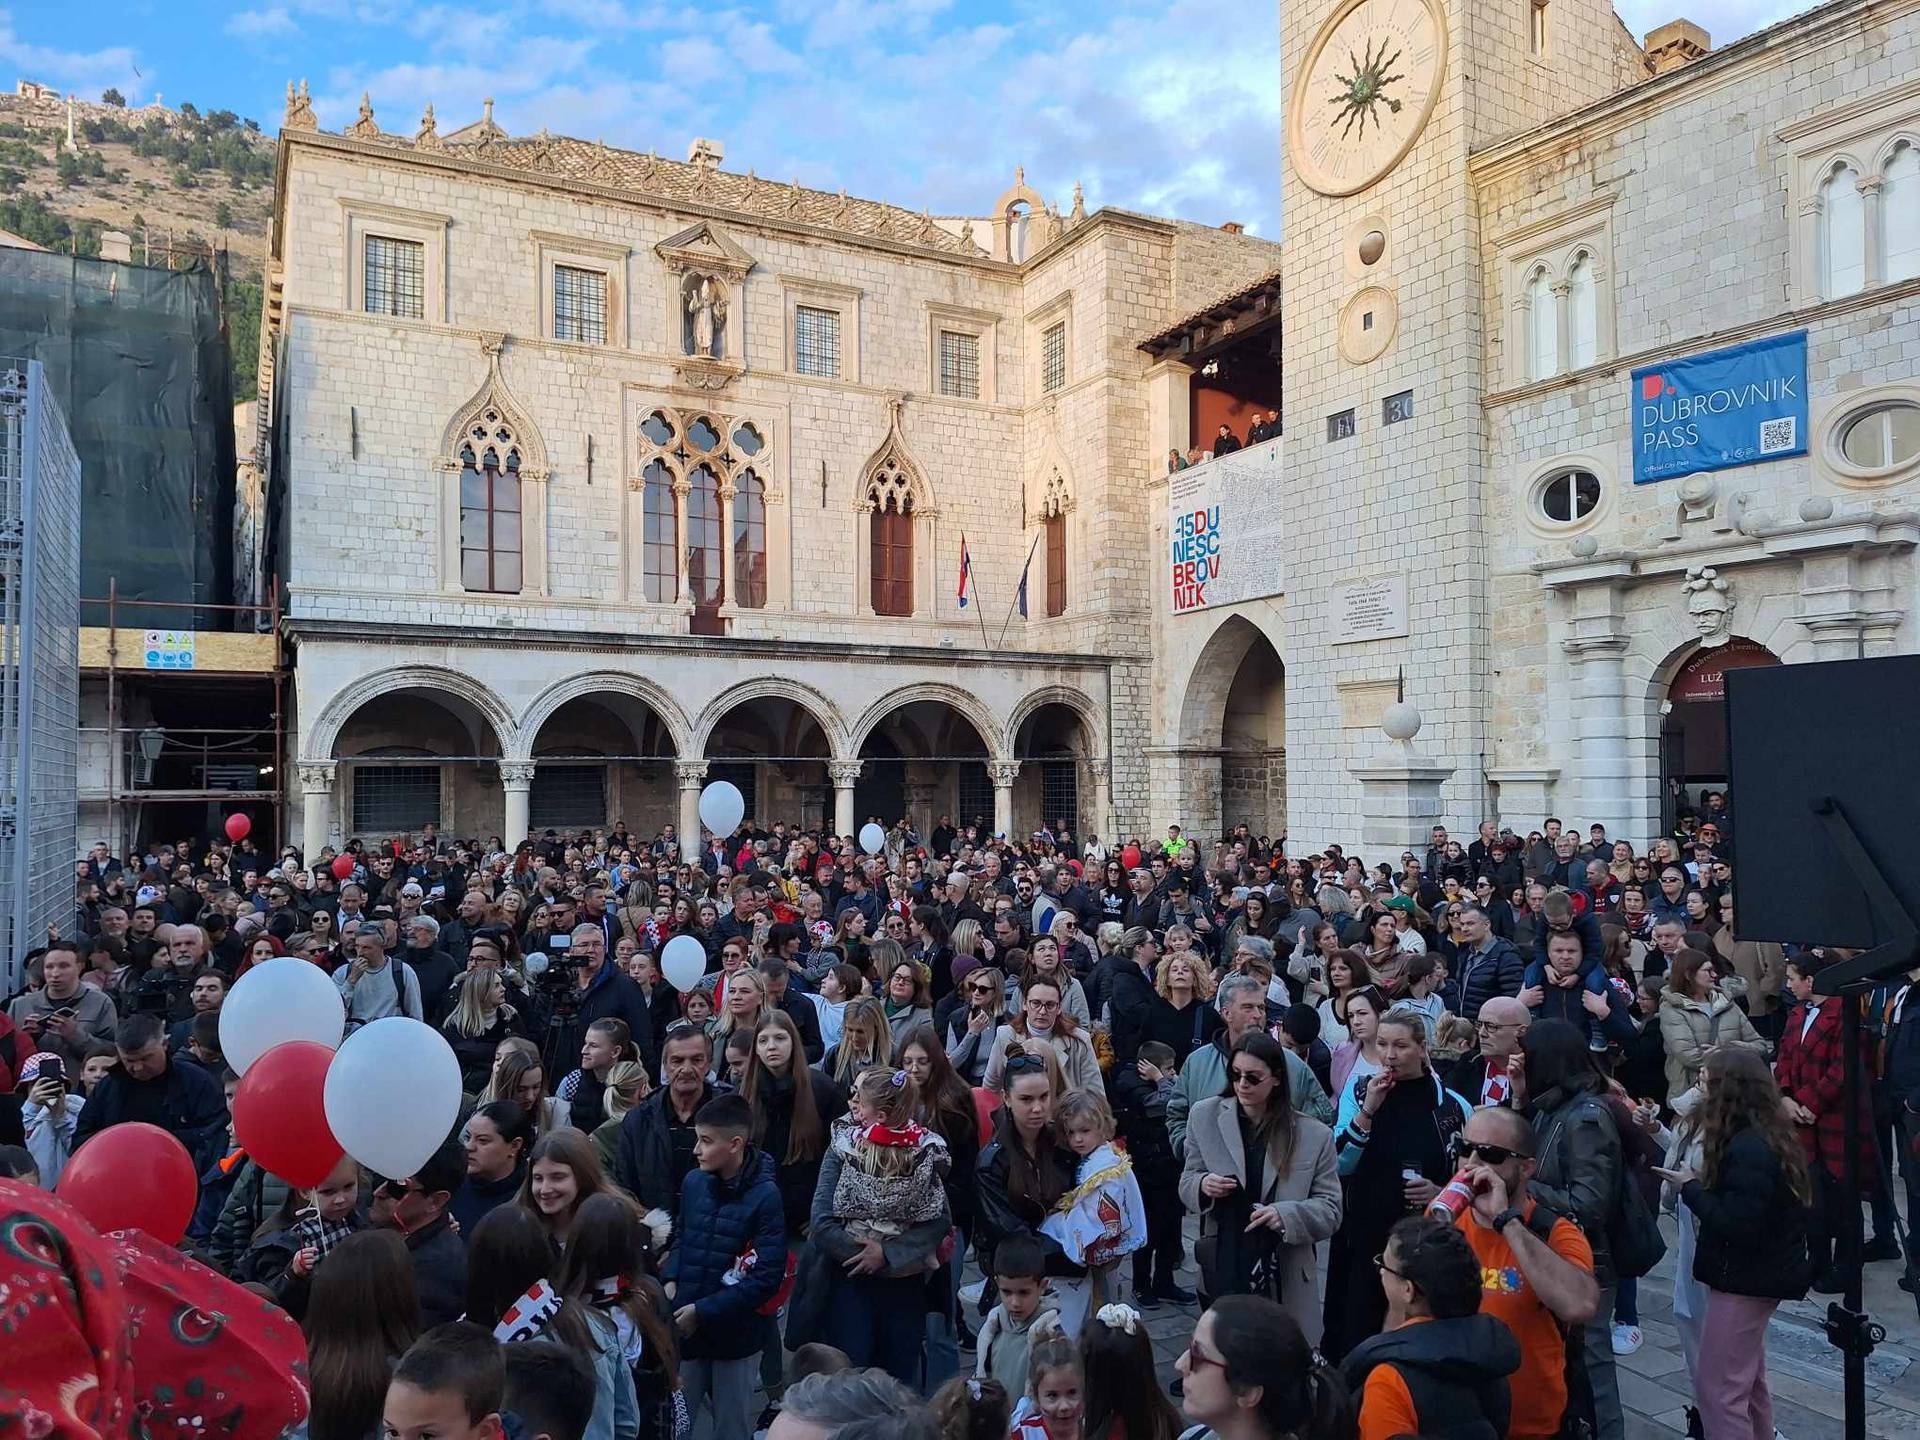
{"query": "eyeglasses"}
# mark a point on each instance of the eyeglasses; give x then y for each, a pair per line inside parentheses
(1196, 1357)
(1493, 1154)
(1486, 1025)
(1251, 1077)
(1380, 1263)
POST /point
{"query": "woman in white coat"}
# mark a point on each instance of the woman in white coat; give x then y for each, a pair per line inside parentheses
(1261, 1177)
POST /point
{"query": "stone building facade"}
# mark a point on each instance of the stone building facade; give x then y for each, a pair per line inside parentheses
(1470, 283)
(598, 475)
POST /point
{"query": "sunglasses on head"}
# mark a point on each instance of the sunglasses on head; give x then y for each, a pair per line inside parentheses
(1025, 1065)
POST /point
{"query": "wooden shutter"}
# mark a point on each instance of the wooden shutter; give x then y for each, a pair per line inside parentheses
(1056, 565)
(892, 562)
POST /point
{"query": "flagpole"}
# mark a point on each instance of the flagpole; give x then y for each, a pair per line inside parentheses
(979, 600)
(1025, 571)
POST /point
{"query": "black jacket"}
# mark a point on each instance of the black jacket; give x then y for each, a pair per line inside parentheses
(806, 1020)
(1903, 1053)
(1752, 1232)
(439, 1258)
(613, 996)
(1130, 1000)
(1455, 1370)
(796, 1178)
(186, 1102)
(643, 1161)
(1497, 970)
(1580, 1160)
(998, 1215)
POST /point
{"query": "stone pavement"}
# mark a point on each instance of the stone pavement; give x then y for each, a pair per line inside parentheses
(1803, 1370)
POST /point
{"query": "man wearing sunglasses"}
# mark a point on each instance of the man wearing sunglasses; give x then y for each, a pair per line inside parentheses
(1536, 1266)
(416, 1206)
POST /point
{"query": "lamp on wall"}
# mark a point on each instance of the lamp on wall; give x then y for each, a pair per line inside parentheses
(147, 747)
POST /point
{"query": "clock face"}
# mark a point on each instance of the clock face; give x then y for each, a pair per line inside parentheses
(1364, 90)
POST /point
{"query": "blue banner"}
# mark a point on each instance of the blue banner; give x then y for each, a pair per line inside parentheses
(1737, 406)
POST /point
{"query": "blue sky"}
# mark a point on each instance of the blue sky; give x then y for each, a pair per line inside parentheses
(1167, 106)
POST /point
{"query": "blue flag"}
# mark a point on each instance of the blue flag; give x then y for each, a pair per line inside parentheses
(1024, 571)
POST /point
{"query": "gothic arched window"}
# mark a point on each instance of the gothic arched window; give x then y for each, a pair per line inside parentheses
(1583, 315)
(1543, 327)
(890, 535)
(1843, 233)
(749, 541)
(660, 537)
(490, 558)
(1900, 212)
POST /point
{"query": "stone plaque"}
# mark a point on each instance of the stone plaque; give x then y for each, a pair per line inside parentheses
(1373, 608)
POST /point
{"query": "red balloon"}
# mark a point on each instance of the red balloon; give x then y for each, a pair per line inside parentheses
(280, 1113)
(342, 867)
(133, 1176)
(1130, 857)
(238, 828)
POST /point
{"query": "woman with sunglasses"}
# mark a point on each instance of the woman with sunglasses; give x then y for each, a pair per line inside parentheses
(1263, 1182)
(971, 1027)
(1250, 1374)
(1391, 1139)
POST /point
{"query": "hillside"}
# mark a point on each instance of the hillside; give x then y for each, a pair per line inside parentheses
(182, 183)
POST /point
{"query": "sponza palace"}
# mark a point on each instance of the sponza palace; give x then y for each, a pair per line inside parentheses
(601, 474)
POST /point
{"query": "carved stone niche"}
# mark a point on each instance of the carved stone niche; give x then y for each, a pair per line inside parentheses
(706, 275)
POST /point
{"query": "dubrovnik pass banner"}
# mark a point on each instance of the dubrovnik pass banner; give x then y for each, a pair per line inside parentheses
(1737, 406)
(1224, 529)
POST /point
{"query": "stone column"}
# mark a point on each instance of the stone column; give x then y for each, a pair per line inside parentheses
(1003, 773)
(1400, 789)
(1870, 188)
(1169, 412)
(316, 806)
(844, 774)
(691, 776)
(1101, 821)
(1525, 797)
(516, 780)
(1603, 784)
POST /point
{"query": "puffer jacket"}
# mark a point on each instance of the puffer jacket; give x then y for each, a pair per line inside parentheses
(1752, 1231)
(1455, 1371)
(1482, 975)
(255, 1196)
(1689, 1028)
(1579, 1166)
(729, 1257)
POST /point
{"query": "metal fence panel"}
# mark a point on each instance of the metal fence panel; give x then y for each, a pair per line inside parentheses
(39, 664)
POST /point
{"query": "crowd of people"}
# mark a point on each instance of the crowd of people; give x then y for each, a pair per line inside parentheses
(1424, 1113)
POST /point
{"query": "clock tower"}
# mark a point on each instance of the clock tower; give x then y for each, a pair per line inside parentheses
(1384, 316)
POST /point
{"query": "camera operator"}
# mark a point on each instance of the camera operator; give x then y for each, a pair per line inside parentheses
(600, 991)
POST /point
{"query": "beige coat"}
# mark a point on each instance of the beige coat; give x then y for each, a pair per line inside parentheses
(1762, 964)
(1306, 1190)
(1690, 1028)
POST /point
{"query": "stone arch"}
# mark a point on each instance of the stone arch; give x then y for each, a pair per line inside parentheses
(893, 477)
(493, 406)
(1062, 695)
(961, 701)
(1232, 731)
(1203, 708)
(603, 682)
(825, 714)
(487, 706)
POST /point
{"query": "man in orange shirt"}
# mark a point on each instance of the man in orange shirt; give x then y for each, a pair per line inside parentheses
(1440, 1367)
(1536, 1268)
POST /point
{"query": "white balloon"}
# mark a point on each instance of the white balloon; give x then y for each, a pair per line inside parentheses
(872, 838)
(683, 960)
(393, 1095)
(721, 806)
(285, 998)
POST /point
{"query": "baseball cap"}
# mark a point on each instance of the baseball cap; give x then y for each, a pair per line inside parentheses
(30, 1072)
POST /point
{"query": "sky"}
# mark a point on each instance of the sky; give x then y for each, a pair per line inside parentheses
(1166, 106)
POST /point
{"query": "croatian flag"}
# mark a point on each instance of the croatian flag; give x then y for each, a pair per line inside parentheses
(966, 574)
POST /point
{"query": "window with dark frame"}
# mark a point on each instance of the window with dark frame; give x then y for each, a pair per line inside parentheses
(568, 796)
(396, 282)
(1053, 357)
(705, 580)
(579, 305)
(959, 365)
(660, 537)
(816, 341)
(1060, 790)
(395, 799)
(1569, 495)
(1396, 408)
(490, 559)
(1056, 533)
(1340, 425)
(750, 541)
(890, 533)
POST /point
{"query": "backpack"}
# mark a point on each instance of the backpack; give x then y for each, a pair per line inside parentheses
(1577, 1420)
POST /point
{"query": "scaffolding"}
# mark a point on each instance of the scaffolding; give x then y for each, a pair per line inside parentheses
(39, 663)
(238, 768)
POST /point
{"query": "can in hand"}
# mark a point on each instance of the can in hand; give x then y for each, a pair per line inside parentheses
(1452, 1201)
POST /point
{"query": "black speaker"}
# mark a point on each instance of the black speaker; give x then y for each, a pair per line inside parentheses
(1809, 746)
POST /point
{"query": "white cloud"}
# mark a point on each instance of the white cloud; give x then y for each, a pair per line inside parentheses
(271, 23)
(84, 72)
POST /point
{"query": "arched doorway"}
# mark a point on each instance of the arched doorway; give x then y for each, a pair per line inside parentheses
(586, 772)
(1693, 724)
(1233, 735)
(1052, 745)
(410, 756)
(775, 750)
(922, 759)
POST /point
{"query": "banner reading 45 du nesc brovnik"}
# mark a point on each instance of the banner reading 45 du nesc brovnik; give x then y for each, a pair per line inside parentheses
(1225, 530)
(1737, 406)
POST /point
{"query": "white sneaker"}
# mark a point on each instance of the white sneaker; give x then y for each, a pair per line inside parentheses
(1627, 1339)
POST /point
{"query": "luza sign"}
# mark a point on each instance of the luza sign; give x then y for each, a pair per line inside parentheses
(1737, 406)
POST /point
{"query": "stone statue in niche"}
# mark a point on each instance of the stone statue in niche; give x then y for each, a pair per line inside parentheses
(1709, 605)
(706, 316)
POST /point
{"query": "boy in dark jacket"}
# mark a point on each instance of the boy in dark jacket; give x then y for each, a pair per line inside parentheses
(1144, 1100)
(729, 1260)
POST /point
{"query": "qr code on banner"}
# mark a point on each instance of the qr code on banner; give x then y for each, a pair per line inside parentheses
(1777, 435)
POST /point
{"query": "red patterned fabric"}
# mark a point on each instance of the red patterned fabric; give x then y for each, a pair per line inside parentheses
(115, 1335)
(1809, 1070)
